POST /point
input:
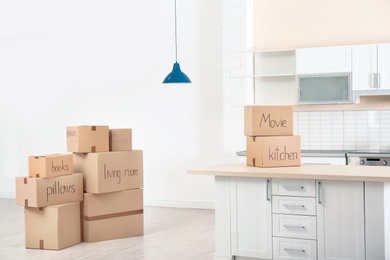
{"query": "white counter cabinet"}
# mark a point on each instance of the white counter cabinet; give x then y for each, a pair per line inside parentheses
(311, 212)
(255, 219)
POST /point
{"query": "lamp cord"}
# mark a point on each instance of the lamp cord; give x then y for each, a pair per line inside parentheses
(175, 34)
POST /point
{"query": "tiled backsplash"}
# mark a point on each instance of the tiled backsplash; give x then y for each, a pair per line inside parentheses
(343, 130)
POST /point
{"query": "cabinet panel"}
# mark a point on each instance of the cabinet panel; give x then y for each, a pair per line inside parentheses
(340, 220)
(384, 65)
(364, 67)
(294, 226)
(323, 60)
(291, 187)
(294, 205)
(222, 217)
(371, 67)
(251, 217)
(287, 248)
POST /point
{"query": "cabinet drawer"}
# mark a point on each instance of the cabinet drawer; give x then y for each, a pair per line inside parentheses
(294, 226)
(294, 205)
(291, 187)
(287, 248)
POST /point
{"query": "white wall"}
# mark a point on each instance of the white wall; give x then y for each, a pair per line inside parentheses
(237, 73)
(90, 62)
(294, 24)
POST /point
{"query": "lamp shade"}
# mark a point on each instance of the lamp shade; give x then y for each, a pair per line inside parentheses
(176, 76)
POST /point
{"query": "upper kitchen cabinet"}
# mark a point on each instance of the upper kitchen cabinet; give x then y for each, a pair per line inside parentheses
(321, 75)
(371, 67)
(323, 60)
(384, 66)
(275, 77)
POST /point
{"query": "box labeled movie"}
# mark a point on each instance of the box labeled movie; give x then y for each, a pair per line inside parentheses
(110, 171)
(53, 227)
(87, 139)
(113, 215)
(268, 120)
(121, 139)
(51, 165)
(42, 192)
(273, 151)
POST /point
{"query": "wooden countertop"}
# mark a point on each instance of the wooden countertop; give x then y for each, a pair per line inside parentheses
(306, 171)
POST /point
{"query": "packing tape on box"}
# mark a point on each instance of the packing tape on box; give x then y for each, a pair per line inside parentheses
(114, 215)
(81, 222)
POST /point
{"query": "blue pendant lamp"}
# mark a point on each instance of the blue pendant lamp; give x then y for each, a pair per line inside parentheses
(176, 76)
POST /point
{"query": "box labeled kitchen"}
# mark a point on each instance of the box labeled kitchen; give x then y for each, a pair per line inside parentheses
(273, 151)
(42, 192)
(87, 139)
(53, 227)
(110, 171)
(268, 120)
(50, 165)
(121, 139)
(113, 215)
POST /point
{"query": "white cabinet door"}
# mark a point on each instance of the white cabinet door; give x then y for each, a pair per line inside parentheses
(340, 220)
(251, 217)
(364, 67)
(323, 60)
(384, 65)
(371, 67)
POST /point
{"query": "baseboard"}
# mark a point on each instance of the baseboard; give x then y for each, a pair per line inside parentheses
(219, 257)
(7, 195)
(179, 204)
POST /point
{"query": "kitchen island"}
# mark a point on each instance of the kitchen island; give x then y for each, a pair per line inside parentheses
(305, 212)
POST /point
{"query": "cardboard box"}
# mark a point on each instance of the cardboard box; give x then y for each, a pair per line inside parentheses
(273, 151)
(121, 139)
(42, 192)
(50, 165)
(110, 171)
(268, 120)
(87, 139)
(113, 215)
(53, 227)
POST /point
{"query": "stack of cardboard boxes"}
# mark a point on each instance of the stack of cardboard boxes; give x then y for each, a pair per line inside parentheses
(113, 181)
(51, 196)
(269, 137)
(103, 200)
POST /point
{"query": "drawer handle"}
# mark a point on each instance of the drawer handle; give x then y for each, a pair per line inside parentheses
(294, 206)
(293, 187)
(293, 250)
(293, 227)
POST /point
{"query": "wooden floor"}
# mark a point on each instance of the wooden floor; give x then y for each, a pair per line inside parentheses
(170, 233)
